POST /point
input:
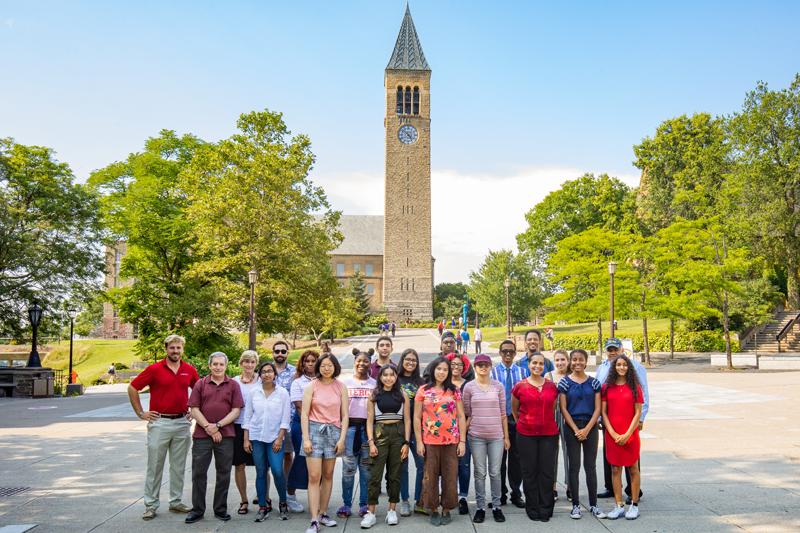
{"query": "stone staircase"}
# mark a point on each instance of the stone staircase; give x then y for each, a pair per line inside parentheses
(767, 342)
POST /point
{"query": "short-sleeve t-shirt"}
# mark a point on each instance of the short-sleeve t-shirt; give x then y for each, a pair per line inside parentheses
(169, 391)
(537, 415)
(215, 401)
(580, 396)
(359, 392)
(439, 415)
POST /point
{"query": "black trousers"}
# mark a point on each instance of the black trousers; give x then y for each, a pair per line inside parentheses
(202, 449)
(589, 447)
(511, 465)
(607, 473)
(537, 456)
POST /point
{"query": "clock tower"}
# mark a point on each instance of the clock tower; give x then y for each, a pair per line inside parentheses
(407, 262)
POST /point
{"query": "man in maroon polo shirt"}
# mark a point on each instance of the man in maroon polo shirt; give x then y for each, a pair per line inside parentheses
(215, 402)
(167, 423)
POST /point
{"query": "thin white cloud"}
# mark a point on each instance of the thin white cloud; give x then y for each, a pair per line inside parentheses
(472, 213)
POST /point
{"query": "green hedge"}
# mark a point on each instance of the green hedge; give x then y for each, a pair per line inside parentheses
(685, 341)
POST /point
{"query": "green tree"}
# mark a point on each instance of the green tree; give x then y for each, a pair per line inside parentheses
(579, 267)
(448, 299)
(684, 167)
(49, 236)
(357, 293)
(91, 314)
(766, 137)
(144, 206)
(253, 206)
(487, 290)
(578, 205)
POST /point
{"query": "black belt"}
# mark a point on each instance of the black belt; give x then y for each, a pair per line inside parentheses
(171, 417)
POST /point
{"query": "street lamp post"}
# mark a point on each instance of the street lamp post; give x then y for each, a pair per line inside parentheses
(612, 269)
(253, 276)
(507, 284)
(72, 314)
(35, 316)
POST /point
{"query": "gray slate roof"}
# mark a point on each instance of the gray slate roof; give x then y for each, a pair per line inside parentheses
(363, 235)
(407, 53)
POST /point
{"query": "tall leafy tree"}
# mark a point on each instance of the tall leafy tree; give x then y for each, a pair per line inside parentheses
(253, 206)
(488, 292)
(357, 292)
(766, 136)
(684, 166)
(50, 236)
(448, 299)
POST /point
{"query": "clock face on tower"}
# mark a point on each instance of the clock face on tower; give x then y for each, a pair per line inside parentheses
(407, 134)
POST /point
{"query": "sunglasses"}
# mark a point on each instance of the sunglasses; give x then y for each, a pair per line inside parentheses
(508, 351)
(279, 351)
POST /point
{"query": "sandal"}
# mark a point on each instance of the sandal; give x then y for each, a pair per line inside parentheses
(242, 508)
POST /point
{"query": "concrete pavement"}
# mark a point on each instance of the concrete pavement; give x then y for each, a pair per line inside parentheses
(721, 452)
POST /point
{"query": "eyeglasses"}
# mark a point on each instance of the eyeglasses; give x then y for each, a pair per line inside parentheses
(508, 352)
(457, 365)
(482, 365)
(279, 351)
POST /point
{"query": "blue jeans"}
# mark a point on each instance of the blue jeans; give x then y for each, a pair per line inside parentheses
(265, 458)
(464, 472)
(352, 463)
(419, 463)
(298, 475)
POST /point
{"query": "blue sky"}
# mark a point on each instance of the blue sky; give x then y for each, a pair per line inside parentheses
(524, 94)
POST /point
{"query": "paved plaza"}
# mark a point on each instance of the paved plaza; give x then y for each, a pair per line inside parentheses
(720, 452)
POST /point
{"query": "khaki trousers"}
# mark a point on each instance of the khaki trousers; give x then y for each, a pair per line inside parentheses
(165, 435)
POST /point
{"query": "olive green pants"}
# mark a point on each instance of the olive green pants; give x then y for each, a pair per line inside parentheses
(389, 441)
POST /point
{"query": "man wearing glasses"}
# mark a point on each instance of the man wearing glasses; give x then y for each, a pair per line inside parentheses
(508, 374)
(284, 378)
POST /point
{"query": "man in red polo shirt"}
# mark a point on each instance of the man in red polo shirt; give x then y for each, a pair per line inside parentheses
(167, 423)
(216, 401)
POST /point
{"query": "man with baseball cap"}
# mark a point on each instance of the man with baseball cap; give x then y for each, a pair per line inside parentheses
(613, 347)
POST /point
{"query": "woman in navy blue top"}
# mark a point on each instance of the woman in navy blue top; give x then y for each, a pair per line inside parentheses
(579, 400)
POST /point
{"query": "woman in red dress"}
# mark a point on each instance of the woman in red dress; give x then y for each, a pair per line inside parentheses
(622, 399)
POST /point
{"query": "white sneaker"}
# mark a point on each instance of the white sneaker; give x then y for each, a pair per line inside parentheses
(326, 520)
(632, 513)
(405, 508)
(368, 521)
(616, 512)
(576, 512)
(313, 528)
(391, 517)
(294, 505)
(596, 512)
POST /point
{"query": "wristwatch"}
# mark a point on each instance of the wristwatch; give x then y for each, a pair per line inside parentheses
(406, 443)
(218, 426)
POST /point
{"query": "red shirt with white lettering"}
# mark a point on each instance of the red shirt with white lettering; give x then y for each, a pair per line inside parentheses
(169, 391)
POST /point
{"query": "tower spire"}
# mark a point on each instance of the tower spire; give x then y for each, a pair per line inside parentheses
(407, 54)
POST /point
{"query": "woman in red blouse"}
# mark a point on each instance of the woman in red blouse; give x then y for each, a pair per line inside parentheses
(533, 405)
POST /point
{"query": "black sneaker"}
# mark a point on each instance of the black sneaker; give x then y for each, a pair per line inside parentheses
(193, 517)
(518, 502)
(498, 515)
(224, 517)
(606, 494)
(480, 516)
(463, 508)
(555, 495)
(283, 507)
(446, 518)
(269, 505)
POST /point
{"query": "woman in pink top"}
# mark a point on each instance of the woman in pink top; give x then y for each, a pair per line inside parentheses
(324, 420)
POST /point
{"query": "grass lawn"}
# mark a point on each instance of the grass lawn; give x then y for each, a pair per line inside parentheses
(90, 358)
(624, 329)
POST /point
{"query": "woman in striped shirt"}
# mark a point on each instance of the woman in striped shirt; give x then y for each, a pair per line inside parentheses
(485, 407)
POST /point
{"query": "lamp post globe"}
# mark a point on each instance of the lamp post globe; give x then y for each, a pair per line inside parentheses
(35, 316)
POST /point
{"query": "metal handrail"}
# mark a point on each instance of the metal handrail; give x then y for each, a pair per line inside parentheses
(786, 329)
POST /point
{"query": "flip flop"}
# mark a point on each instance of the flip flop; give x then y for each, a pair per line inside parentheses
(242, 508)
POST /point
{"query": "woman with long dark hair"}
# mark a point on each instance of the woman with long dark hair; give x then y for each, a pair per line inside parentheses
(440, 428)
(579, 401)
(298, 475)
(389, 430)
(533, 405)
(622, 400)
(410, 381)
(459, 367)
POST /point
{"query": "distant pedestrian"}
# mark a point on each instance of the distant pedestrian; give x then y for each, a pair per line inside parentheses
(440, 327)
(216, 401)
(478, 338)
(394, 327)
(167, 424)
(459, 340)
(452, 322)
(465, 341)
(622, 399)
(112, 373)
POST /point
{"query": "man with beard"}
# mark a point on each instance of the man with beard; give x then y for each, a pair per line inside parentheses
(167, 423)
(533, 344)
(285, 376)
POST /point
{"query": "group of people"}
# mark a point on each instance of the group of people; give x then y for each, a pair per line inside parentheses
(457, 419)
(462, 338)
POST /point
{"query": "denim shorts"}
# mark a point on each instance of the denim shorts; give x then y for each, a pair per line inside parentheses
(323, 440)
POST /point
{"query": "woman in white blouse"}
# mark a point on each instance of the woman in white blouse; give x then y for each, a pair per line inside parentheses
(266, 422)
